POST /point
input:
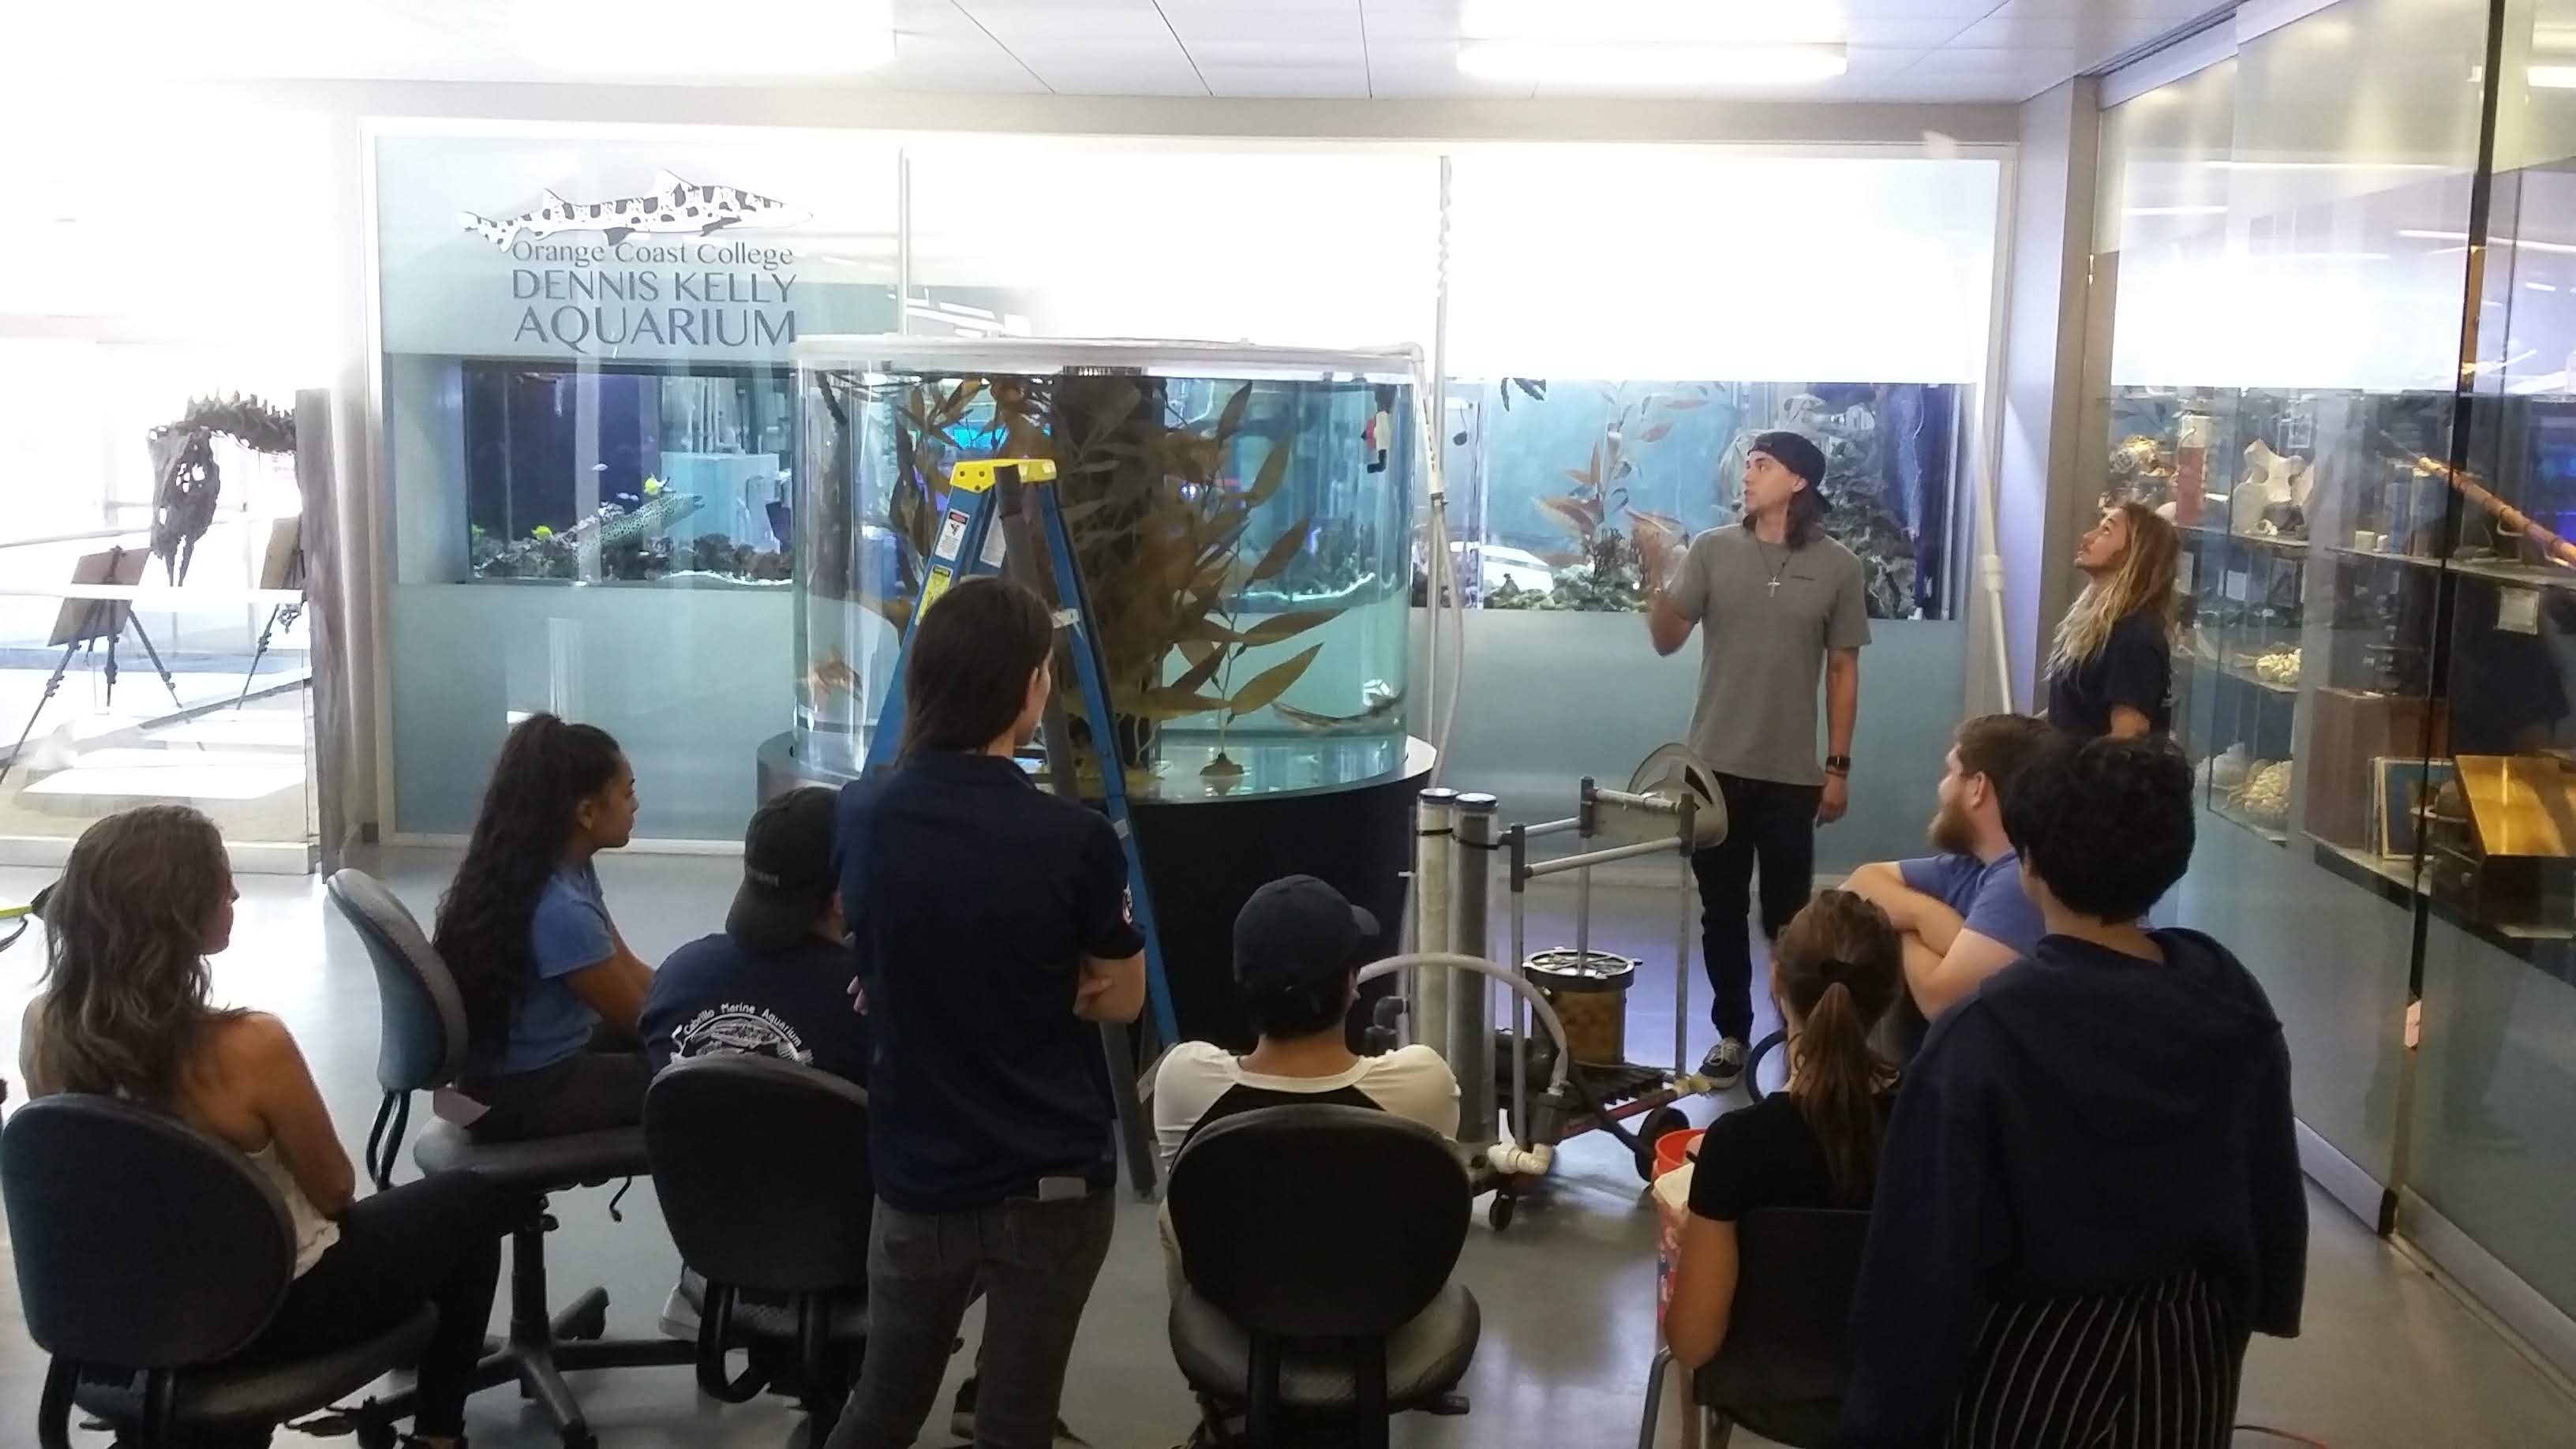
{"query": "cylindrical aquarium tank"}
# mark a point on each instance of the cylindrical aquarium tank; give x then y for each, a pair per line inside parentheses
(1242, 517)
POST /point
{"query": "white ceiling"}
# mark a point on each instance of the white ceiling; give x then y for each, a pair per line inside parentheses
(1908, 50)
(1898, 50)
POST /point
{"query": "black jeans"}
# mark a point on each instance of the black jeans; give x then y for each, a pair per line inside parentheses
(435, 1241)
(1776, 825)
(597, 1088)
(1035, 1262)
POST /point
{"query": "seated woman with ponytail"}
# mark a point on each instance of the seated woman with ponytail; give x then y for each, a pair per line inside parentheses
(551, 990)
(1835, 970)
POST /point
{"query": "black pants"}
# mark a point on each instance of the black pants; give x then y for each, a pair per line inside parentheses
(1774, 824)
(1035, 1263)
(435, 1241)
(592, 1090)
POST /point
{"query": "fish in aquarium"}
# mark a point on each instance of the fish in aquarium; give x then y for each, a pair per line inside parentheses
(655, 516)
(1379, 699)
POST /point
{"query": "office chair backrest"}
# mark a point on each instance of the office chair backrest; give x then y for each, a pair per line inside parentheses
(762, 1169)
(422, 1041)
(1787, 1337)
(1318, 1221)
(140, 1241)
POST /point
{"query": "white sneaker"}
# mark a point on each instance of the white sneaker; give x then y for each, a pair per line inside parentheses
(679, 1315)
(1724, 1064)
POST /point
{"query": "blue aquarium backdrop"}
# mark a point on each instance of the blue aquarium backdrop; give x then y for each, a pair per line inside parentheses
(1559, 487)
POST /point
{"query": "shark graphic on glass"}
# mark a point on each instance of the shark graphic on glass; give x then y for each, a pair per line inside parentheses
(672, 206)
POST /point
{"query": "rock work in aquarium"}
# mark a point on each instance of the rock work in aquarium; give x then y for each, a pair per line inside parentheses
(634, 543)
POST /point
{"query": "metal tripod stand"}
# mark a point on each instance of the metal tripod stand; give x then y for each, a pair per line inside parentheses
(103, 619)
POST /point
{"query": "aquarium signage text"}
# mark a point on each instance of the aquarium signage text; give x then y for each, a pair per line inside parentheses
(610, 297)
(656, 277)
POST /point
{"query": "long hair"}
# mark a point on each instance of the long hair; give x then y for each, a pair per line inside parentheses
(1806, 516)
(966, 677)
(2144, 580)
(125, 1003)
(1838, 966)
(547, 767)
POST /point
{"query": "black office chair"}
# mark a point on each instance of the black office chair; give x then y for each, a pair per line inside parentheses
(1317, 1242)
(422, 1048)
(1787, 1353)
(762, 1169)
(147, 1253)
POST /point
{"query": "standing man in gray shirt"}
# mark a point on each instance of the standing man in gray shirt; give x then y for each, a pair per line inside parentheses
(1783, 605)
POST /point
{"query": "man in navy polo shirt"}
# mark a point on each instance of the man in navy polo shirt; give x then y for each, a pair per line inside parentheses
(994, 934)
(779, 979)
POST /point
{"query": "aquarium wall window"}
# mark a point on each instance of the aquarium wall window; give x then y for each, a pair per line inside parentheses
(690, 472)
(1625, 319)
(1569, 483)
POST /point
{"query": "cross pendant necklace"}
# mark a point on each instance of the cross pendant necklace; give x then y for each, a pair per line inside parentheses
(1775, 585)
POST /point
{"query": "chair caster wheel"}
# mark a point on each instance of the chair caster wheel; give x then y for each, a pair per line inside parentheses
(587, 1328)
(1659, 1124)
(375, 1435)
(1498, 1216)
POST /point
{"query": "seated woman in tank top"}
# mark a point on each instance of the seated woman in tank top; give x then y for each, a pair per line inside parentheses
(125, 1011)
(551, 991)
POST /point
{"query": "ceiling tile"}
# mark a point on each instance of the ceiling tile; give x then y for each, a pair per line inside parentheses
(1013, 21)
(1212, 53)
(1336, 82)
(2056, 64)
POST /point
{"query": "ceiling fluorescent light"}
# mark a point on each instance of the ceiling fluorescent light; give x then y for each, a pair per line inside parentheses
(1650, 65)
(2210, 210)
(1650, 21)
(2552, 77)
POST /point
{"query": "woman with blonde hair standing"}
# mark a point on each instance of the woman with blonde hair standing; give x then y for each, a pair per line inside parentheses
(2111, 672)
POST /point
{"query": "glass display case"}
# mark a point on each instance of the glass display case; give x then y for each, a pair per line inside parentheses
(1241, 515)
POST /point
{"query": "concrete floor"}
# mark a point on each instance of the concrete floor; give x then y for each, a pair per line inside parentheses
(2389, 1357)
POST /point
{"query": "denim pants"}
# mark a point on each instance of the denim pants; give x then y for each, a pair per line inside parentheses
(1035, 1262)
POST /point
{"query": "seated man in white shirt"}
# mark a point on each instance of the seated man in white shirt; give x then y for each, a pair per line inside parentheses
(1962, 912)
(1298, 946)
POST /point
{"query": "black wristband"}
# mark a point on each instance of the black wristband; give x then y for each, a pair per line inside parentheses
(1838, 764)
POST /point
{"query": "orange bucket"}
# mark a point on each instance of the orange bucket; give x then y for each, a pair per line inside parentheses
(1673, 1149)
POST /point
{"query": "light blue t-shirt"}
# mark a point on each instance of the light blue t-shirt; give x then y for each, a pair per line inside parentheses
(1987, 896)
(568, 933)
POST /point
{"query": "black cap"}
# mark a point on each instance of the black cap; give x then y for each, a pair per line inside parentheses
(1796, 452)
(1298, 932)
(786, 870)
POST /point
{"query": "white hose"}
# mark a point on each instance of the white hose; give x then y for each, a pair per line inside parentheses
(1442, 712)
(1453, 960)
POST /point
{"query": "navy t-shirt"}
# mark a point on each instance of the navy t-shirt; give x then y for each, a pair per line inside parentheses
(2135, 668)
(801, 1005)
(973, 898)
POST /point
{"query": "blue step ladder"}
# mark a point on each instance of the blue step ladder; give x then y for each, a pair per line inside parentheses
(987, 530)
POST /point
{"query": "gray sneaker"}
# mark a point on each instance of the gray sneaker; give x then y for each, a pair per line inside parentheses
(1724, 1064)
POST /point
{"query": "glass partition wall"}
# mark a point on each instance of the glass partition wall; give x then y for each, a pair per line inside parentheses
(2332, 343)
(595, 463)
